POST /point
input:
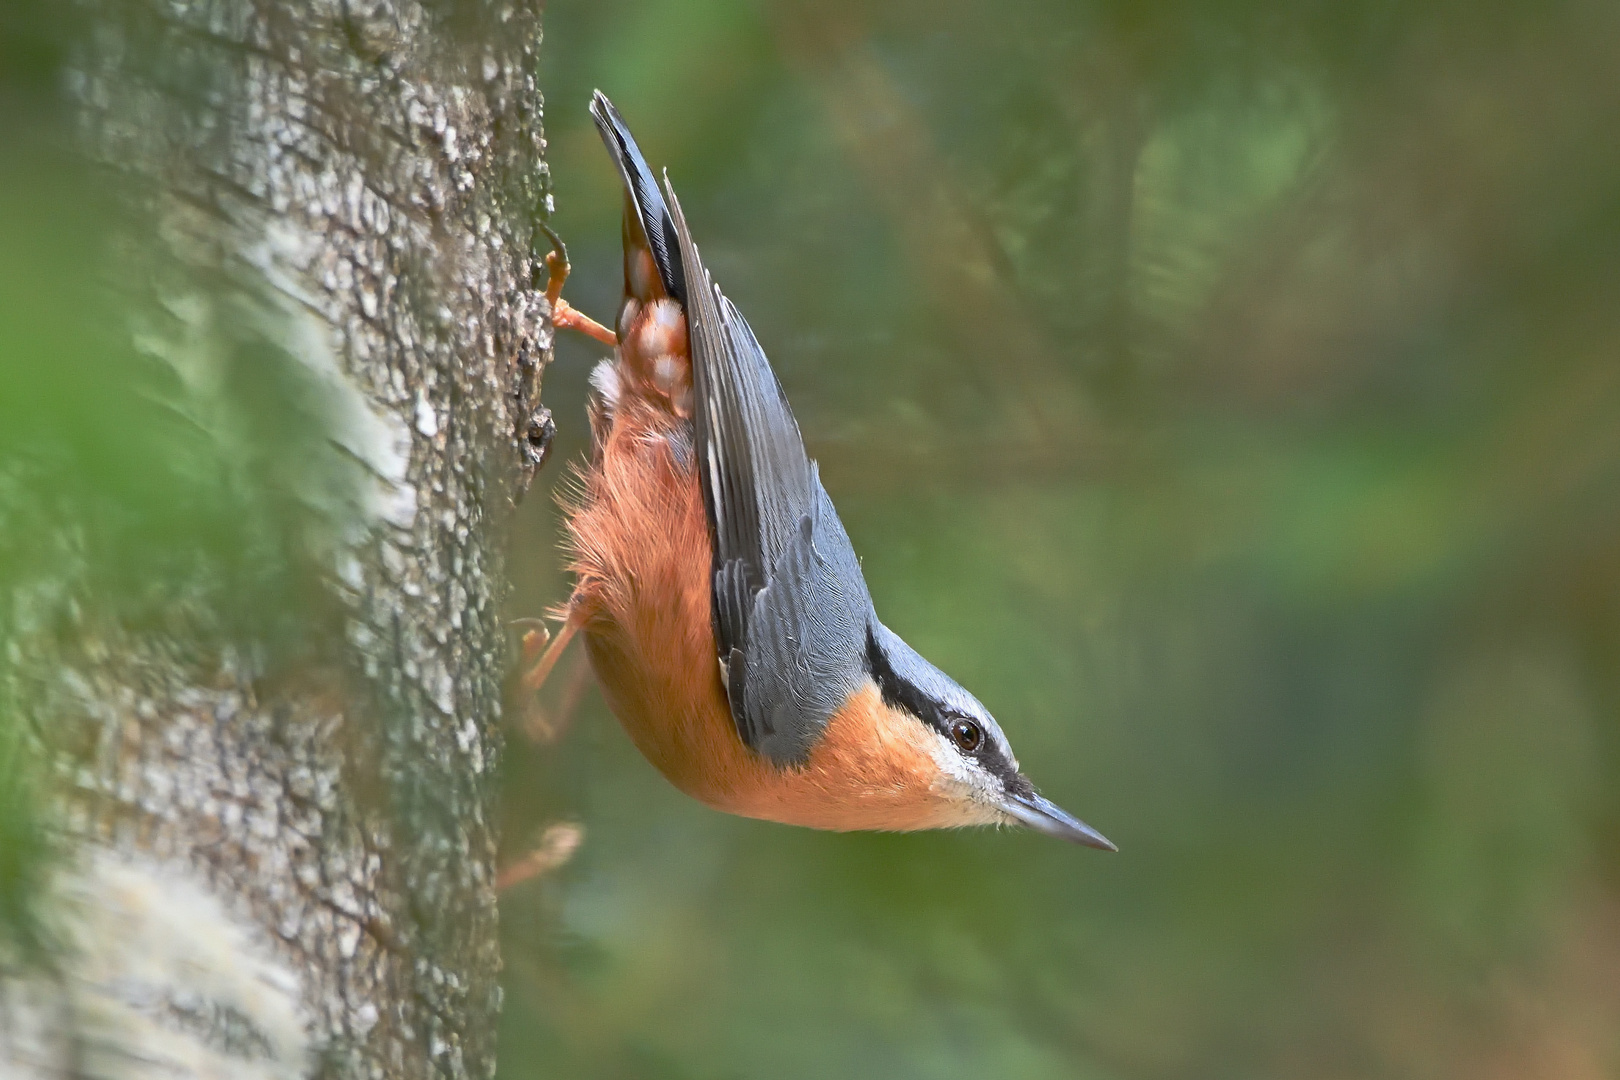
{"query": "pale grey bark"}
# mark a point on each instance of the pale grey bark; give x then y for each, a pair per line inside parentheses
(278, 832)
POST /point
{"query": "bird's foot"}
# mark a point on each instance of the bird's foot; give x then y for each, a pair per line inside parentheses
(556, 846)
(564, 316)
(541, 651)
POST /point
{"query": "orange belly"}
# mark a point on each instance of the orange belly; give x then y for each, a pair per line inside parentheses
(642, 557)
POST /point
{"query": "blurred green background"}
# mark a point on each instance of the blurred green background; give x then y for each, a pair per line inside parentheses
(1229, 395)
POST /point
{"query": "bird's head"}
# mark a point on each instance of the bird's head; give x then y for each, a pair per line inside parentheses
(977, 777)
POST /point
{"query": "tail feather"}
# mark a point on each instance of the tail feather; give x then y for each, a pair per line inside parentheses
(651, 214)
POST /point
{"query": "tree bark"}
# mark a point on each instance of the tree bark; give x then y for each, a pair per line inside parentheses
(275, 800)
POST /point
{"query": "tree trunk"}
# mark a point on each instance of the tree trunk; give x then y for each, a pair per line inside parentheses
(273, 771)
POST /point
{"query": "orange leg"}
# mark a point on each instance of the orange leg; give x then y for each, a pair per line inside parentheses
(564, 316)
(545, 726)
(540, 663)
(557, 845)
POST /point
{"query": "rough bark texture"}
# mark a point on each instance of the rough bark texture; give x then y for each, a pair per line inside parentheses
(280, 852)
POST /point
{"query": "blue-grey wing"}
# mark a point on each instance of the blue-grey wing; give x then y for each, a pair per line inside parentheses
(806, 638)
(790, 605)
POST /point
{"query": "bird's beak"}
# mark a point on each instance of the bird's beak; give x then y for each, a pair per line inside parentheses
(1045, 816)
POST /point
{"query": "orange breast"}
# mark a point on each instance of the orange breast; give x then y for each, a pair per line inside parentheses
(641, 554)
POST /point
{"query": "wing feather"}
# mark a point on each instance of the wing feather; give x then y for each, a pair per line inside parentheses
(789, 600)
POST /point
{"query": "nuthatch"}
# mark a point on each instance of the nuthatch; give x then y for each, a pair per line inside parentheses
(721, 603)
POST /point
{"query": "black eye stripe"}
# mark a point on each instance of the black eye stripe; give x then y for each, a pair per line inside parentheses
(901, 693)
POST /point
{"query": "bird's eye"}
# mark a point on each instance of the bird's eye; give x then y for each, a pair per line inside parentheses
(967, 735)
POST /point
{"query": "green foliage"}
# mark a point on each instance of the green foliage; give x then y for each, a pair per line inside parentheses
(160, 435)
